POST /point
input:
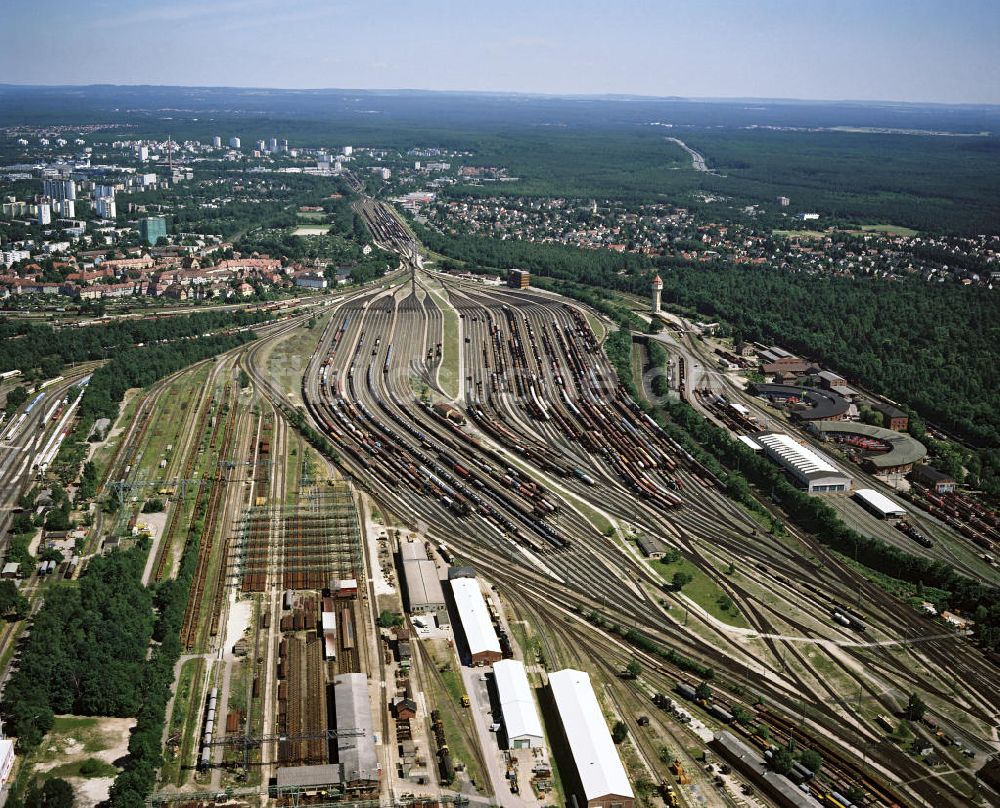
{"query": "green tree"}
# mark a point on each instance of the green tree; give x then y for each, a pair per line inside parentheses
(681, 579)
(915, 707)
(13, 605)
(855, 793)
(15, 398)
(703, 691)
(781, 761)
(633, 668)
(57, 793)
(619, 732)
(812, 760)
(388, 619)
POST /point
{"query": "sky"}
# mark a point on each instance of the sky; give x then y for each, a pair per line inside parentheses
(881, 50)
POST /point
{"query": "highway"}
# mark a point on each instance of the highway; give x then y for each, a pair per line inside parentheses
(697, 161)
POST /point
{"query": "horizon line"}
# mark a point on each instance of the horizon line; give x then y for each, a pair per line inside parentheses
(521, 93)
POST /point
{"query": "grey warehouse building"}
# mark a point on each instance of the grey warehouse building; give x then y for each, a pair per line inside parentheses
(424, 594)
(810, 469)
(356, 754)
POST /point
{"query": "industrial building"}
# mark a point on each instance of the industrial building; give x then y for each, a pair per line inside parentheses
(932, 478)
(831, 380)
(883, 450)
(892, 417)
(521, 723)
(651, 546)
(601, 780)
(879, 504)
(480, 637)
(811, 470)
(747, 762)
(518, 278)
(6, 760)
(308, 779)
(805, 403)
(423, 590)
(356, 754)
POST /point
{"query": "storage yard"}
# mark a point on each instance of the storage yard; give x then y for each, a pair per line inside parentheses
(447, 584)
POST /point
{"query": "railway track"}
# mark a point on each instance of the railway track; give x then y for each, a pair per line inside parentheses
(370, 408)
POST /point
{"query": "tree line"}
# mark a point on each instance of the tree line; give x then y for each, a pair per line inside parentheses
(87, 649)
(140, 367)
(31, 347)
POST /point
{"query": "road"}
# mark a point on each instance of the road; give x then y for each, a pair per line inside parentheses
(697, 161)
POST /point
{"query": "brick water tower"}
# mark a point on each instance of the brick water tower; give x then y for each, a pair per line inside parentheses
(657, 290)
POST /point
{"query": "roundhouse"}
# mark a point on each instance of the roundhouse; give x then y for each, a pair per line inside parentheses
(809, 403)
(885, 450)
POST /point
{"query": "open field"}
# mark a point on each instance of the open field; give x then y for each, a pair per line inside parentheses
(703, 591)
(310, 230)
(891, 229)
(85, 752)
(806, 234)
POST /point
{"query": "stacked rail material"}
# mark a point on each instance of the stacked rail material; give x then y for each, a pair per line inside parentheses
(328, 620)
(347, 660)
(304, 700)
(306, 544)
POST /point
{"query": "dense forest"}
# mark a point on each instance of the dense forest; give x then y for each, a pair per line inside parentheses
(145, 749)
(29, 347)
(139, 367)
(600, 147)
(930, 347)
(87, 649)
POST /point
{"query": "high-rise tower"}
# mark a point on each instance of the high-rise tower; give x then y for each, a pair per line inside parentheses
(657, 290)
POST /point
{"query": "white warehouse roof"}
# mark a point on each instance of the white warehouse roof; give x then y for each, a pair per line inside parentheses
(748, 441)
(793, 454)
(597, 763)
(520, 717)
(880, 502)
(474, 616)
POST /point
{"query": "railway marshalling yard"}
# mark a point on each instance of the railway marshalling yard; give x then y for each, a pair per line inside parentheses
(488, 425)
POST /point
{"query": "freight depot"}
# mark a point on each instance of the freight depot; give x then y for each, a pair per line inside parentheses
(540, 445)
